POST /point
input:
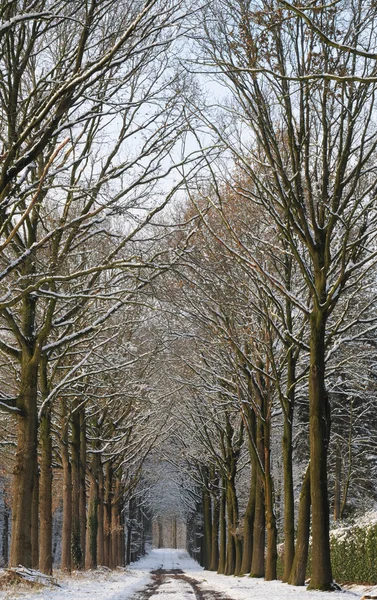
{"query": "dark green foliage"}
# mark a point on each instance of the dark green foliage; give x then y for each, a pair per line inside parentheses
(354, 555)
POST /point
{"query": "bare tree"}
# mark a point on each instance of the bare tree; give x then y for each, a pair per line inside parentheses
(300, 154)
(73, 76)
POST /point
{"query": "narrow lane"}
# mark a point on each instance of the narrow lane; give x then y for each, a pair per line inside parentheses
(174, 584)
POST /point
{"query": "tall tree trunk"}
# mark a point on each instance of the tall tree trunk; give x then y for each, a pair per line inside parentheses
(215, 533)
(114, 532)
(107, 507)
(298, 572)
(35, 522)
(82, 476)
(45, 484)
(234, 545)
(248, 523)
(45, 495)
(230, 563)
(259, 531)
(66, 560)
(128, 548)
(289, 515)
(207, 524)
(121, 545)
(101, 519)
(222, 528)
(25, 463)
(131, 553)
(160, 542)
(289, 506)
(237, 538)
(288, 410)
(115, 524)
(92, 528)
(319, 418)
(271, 558)
(77, 556)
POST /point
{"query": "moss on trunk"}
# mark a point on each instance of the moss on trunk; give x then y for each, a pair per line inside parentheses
(298, 571)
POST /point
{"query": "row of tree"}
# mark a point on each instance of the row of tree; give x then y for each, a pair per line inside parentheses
(273, 306)
(242, 428)
(239, 327)
(300, 126)
(90, 115)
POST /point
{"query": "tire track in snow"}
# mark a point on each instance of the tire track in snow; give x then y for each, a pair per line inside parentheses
(183, 588)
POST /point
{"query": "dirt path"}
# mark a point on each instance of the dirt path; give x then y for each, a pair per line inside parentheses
(174, 584)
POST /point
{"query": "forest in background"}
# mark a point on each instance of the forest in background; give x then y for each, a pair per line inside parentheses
(188, 266)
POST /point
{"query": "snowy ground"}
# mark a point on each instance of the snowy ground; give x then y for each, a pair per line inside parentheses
(175, 576)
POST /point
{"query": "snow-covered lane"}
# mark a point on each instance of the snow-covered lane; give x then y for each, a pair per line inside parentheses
(211, 585)
(122, 584)
(180, 589)
(168, 560)
(166, 586)
(171, 575)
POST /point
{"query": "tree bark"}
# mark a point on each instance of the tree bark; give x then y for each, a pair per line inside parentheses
(230, 563)
(234, 545)
(160, 542)
(271, 558)
(259, 531)
(35, 522)
(128, 547)
(222, 527)
(77, 556)
(120, 537)
(107, 526)
(82, 476)
(207, 525)
(101, 519)
(45, 495)
(116, 525)
(289, 507)
(92, 529)
(298, 572)
(215, 533)
(45, 491)
(66, 560)
(237, 538)
(249, 519)
(25, 463)
(319, 416)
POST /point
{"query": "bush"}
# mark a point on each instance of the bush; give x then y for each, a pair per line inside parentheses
(354, 554)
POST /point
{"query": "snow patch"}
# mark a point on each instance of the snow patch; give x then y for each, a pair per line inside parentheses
(125, 584)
